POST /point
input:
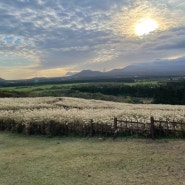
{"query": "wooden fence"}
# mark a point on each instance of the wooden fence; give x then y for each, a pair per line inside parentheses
(152, 129)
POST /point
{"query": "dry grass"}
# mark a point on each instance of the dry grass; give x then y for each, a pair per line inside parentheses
(51, 161)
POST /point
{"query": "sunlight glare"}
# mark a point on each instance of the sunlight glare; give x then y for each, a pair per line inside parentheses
(146, 26)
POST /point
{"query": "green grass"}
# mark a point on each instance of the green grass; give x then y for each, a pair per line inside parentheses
(142, 83)
(58, 86)
(53, 161)
(41, 87)
(69, 90)
(53, 90)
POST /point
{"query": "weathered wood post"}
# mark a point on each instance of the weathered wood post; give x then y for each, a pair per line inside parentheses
(167, 127)
(152, 128)
(115, 123)
(115, 127)
(91, 128)
(66, 129)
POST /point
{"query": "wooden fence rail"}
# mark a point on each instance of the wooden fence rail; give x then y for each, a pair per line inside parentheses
(154, 128)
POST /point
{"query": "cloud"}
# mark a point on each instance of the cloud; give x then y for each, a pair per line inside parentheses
(178, 45)
(43, 35)
(125, 20)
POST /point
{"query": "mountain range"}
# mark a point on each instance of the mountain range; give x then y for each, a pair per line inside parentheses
(157, 68)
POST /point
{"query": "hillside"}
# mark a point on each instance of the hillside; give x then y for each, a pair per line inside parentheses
(88, 73)
(157, 68)
(2, 80)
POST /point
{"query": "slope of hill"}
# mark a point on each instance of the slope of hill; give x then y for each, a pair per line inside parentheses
(157, 68)
(70, 73)
(162, 68)
(89, 73)
(2, 80)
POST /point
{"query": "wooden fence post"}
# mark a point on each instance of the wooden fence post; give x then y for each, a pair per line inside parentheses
(152, 128)
(91, 128)
(115, 123)
(115, 127)
(66, 129)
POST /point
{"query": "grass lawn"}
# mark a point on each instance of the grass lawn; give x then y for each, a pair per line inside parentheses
(142, 83)
(40, 87)
(36, 160)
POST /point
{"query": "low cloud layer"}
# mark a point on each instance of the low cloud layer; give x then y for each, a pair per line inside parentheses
(49, 38)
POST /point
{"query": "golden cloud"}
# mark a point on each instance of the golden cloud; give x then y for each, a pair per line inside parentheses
(124, 22)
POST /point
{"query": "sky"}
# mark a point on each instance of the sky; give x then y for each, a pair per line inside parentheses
(48, 38)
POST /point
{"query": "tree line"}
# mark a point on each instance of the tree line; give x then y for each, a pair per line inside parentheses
(168, 93)
(161, 93)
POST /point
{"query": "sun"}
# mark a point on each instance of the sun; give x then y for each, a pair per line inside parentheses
(145, 26)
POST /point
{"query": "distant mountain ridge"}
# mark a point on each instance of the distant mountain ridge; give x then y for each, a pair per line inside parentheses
(1, 79)
(88, 73)
(157, 68)
(70, 73)
(174, 67)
